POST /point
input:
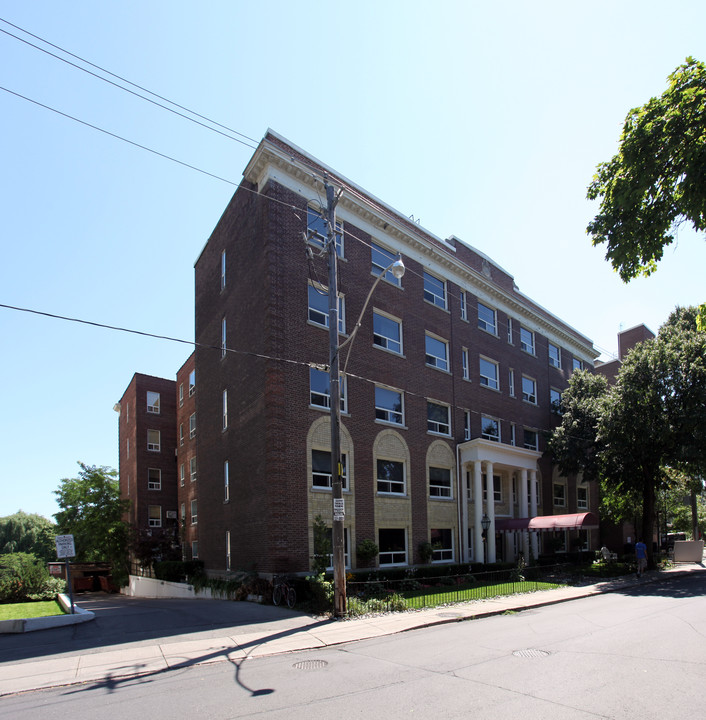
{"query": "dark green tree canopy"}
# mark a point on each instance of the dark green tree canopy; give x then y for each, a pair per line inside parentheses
(657, 180)
(28, 533)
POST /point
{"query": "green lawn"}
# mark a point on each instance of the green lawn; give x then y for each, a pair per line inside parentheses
(19, 611)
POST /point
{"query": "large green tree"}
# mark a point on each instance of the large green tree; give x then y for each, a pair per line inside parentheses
(28, 533)
(92, 511)
(657, 180)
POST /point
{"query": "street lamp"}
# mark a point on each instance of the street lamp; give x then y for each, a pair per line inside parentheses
(397, 268)
(485, 524)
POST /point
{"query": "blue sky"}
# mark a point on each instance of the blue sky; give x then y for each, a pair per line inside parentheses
(483, 120)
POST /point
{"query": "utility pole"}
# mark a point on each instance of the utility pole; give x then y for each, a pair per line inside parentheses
(339, 566)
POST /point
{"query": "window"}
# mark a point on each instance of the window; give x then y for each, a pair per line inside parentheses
(182, 474)
(318, 308)
(321, 476)
(527, 340)
(381, 260)
(192, 382)
(486, 319)
(192, 469)
(464, 305)
(153, 440)
(582, 498)
(154, 479)
(529, 390)
(559, 493)
(153, 402)
(497, 490)
(226, 482)
(194, 512)
(489, 373)
(181, 433)
(490, 428)
(183, 512)
(223, 270)
(227, 550)
(127, 413)
(387, 332)
(225, 409)
(513, 434)
(466, 425)
(194, 549)
(192, 425)
(554, 356)
(531, 439)
(555, 400)
(439, 482)
(437, 353)
(443, 545)
(434, 290)
(317, 231)
(181, 394)
(438, 418)
(511, 381)
(464, 363)
(393, 546)
(388, 405)
(390, 477)
(155, 516)
(509, 331)
(320, 389)
(223, 337)
(577, 364)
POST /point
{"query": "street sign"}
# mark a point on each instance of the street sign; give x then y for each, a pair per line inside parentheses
(65, 546)
(339, 510)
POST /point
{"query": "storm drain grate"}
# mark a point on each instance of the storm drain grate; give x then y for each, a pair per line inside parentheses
(310, 665)
(530, 653)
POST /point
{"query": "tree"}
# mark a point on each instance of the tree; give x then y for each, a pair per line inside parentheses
(28, 533)
(91, 511)
(657, 181)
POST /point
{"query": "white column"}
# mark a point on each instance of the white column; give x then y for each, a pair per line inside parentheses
(477, 511)
(524, 512)
(490, 491)
(463, 500)
(533, 511)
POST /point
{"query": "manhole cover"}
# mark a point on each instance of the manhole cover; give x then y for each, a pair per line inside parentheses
(310, 664)
(530, 653)
(450, 615)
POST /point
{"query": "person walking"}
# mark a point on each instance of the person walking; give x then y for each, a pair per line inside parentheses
(641, 555)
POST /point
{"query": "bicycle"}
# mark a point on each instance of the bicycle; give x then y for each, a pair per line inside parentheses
(283, 592)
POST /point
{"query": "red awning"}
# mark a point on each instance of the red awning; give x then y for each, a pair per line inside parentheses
(578, 521)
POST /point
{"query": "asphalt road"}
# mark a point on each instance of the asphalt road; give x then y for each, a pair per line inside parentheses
(636, 654)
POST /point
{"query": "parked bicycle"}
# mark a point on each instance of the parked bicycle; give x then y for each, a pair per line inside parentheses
(283, 592)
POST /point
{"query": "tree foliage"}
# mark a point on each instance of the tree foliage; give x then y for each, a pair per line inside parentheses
(92, 511)
(28, 533)
(657, 180)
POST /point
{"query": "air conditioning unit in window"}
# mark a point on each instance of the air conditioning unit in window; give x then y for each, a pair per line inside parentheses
(171, 514)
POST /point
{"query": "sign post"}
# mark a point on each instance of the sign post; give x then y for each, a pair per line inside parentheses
(65, 549)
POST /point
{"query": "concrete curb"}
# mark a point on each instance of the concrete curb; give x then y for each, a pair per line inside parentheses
(23, 625)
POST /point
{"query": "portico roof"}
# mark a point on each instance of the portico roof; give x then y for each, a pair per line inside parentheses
(500, 454)
(576, 521)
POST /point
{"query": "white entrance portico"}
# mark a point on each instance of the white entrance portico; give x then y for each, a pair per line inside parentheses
(482, 458)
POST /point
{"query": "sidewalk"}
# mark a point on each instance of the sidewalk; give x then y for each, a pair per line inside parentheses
(111, 666)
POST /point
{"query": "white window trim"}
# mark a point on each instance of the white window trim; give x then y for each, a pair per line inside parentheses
(437, 360)
(464, 305)
(154, 409)
(444, 488)
(526, 347)
(328, 487)
(439, 301)
(192, 425)
(391, 493)
(483, 324)
(562, 500)
(377, 269)
(582, 504)
(322, 291)
(465, 360)
(385, 340)
(445, 560)
(226, 481)
(530, 398)
(552, 362)
(154, 484)
(326, 406)
(225, 409)
(487, 436)
(154, 522)
(401, 422)
(193, 469)
(396, 563)
(154, 447)
(448, 419)
(484, 379)
(466, 425)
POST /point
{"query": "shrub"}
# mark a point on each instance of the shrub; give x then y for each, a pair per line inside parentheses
(367, 551)
(21, 575)
(320, 593)
(52, 587)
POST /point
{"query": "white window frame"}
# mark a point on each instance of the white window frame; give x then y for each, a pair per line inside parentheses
(223, 337)
(511, 381)
(324, 398)
(439, 490)
(432, 359)
(154, 522)
(317, 233)
(193, 469)
(226, 481)
(555, 356)
(192, 425)
(181, 434)
(182, 474)
(192, 382)
(559, 499)
(318, 475)
(436, 427)
(513, 434)
(318, 314)
(486, 421)
(488, 324)
(527, 340)
(555, 400)
(154, 482)
(509, 332)
(400, 485)
(183, 513)
(153, 402)
(581, 502)
(397, 557)
(194, 507)
(466, 425)
(497, 490)
(181, 394)
(153, 446)
(382, 338)
(464, 305)
(227, 550)
(383, 413)
(527, 445)
(576, 364)
(194, 549)
(443, 554)
(434, 290)
(380, 254)
(529, 390)
(486, 380)
(223, 269)
(225, 409)
(464, 364)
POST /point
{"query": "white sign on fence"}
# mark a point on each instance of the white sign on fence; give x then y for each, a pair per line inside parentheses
(65, 546)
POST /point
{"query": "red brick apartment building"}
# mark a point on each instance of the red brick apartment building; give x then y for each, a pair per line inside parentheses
(451, 383)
